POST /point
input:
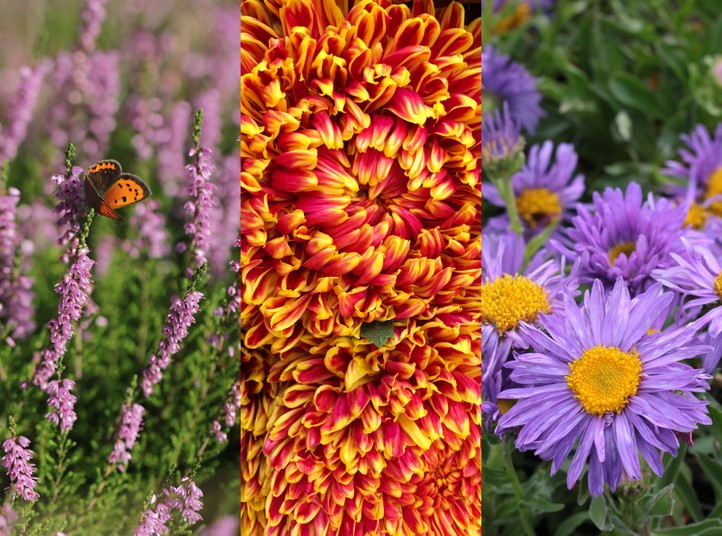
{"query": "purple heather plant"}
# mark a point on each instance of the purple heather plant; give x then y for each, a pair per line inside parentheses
(20, 111)
(61, 403)
(175, 330)
(185, 498)
(130, 426)
(73, 291)
(7, 519)
(600, 376)
(16, 462)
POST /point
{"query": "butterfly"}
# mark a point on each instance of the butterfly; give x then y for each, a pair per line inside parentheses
(107, 188)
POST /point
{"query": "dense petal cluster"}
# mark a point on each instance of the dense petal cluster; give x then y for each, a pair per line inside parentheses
(361, 145)
(16, 462)
(609, 382)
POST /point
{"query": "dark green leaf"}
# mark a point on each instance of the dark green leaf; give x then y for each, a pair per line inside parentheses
(630, 92)
(378, 333)
(542, 505)
(599, 513)
(711, 527)
(567, 527)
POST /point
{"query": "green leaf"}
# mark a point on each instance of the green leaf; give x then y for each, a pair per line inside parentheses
(713, 471)
(599, 514)
(661, 504)
(542, 505)
(687, 494)
(495, 477)
(378, 333)
(567, 527)
(710, 527)
(632, 93)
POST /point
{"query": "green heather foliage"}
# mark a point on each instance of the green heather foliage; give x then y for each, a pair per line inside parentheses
(140, 265)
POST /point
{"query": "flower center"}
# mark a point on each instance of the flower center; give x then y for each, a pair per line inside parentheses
(604, 378)
(538, 204)
(508, 300)
(696, 217)
(626, 247)
(714, 188)
(718, 285)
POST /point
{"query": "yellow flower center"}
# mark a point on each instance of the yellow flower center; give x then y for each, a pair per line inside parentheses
(696, 217)
(718, 285)
(508, 300)
(504, 405)
(714, 188)
(538, 204)
(521, 14)
(604, 378)
(626, 247)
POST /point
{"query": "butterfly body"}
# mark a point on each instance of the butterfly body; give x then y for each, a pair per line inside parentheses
(107, 188)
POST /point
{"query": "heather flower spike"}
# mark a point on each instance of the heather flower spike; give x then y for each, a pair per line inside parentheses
(16, 462)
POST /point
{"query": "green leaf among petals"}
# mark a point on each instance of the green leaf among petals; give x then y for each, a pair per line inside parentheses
(378, 333)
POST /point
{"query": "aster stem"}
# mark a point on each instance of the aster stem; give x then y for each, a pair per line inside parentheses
(506, 191)
(507, 448)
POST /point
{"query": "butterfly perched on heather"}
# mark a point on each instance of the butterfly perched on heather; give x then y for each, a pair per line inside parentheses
(107, 188)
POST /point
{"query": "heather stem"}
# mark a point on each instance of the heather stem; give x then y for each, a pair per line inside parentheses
(59, 468)
(69, 157)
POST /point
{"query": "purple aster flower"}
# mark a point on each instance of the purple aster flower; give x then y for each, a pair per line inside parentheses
(596, 376)
(20, 110)
(506, 81)
(200, 206)
(131, 423)
(697, 276)
(175, 330)
(73, 293)
(626, 237)
(510, 297)
(16, 294)
(8, 519)
(17, 463)
(544, 191)
(61, 403)
(501, 138)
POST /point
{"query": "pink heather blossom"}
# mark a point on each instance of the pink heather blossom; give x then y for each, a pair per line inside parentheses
(73, 293)
(185, 499)
(16, 293)
(20, 110)
(131, 423)
(62, 404)
(155, 519)
(233, 405)
(93, 16)
(216, 429)
(225, 526)
(7, 519)
(17, 463)
(171, 163)
(71, 206)
(150, 223)
(175, 330)
(200, 206)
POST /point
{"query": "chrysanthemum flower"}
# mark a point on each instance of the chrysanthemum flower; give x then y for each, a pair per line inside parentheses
(544, 191)
(625, 237)
(507, 81)
(511, 296)
(597, 380)
(361, 145)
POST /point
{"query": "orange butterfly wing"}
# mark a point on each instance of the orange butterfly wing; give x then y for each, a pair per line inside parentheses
(128, 189)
